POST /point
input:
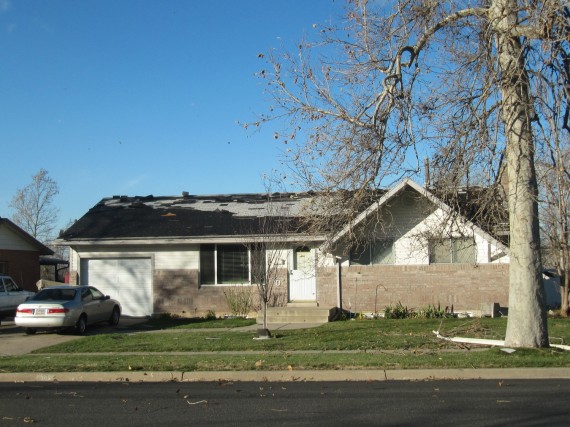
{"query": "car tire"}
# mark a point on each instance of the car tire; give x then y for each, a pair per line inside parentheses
(81, 325)
(115, 317)
(30, 331)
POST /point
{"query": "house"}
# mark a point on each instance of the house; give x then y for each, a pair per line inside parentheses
(20, 255)
(178, 254)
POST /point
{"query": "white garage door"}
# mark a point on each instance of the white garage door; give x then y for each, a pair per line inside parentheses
(128, 280)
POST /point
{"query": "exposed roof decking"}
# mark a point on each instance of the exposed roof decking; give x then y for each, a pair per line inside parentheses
(186, 216)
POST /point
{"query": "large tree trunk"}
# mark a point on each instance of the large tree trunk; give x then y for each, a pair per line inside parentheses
(526, 325)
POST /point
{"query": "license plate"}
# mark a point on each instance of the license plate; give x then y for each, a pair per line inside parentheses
(40, 312)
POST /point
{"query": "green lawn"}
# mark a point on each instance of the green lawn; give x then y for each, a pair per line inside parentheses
(366, 344)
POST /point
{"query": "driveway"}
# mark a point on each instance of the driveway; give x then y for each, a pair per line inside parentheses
(15, 342)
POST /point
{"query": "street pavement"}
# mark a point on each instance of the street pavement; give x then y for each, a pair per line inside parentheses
(14, 342)
(471, 403)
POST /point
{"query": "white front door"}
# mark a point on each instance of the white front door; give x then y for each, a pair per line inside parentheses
(302, 279)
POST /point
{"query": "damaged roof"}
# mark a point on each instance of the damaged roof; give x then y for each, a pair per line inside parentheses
(189, 216)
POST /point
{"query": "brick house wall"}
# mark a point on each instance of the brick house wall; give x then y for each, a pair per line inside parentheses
(371, 288)
(179, 292)
(23, 267)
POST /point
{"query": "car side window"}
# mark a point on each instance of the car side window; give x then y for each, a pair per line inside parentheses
(11, 286)
(86, 295)
(97, 294)
(2, 285)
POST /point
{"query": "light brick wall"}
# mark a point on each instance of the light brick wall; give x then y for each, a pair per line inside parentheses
(371, 288)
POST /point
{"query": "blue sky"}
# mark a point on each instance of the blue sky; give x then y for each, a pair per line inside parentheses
(140, 97)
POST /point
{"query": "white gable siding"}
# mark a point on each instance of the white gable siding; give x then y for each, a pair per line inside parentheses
(406, 223)
(409, 219)
(11, 241)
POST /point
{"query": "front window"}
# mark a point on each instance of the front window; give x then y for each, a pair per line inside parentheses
(224, 264)
(373, 253)
(457, 250)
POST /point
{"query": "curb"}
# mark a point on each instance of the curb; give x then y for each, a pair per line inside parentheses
(293, 376)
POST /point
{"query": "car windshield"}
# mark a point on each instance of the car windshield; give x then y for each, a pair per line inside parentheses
(55, 295)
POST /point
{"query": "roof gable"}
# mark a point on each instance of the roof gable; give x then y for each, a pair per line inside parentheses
(395, 192)
(18, 239)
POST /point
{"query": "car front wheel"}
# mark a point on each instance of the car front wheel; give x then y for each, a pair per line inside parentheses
(115, 317)
(30, 331)
(81, 325)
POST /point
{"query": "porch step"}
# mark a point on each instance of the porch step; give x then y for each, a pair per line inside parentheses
(305, 304)
(295, 314)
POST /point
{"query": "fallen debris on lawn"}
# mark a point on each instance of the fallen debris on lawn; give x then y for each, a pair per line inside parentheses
(491, 343)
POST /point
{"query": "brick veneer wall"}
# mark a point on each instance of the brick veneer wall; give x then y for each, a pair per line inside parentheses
(371, 288)
(179, 292)
(23, 267)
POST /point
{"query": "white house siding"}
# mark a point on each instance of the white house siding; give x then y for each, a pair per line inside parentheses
(410, 218)
(11, 241)
(408, 215)
(181, 258)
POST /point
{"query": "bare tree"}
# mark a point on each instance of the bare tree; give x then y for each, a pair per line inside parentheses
(554, 165)
(555, 212)
(33, 207)
(267, 243)
(457, 81)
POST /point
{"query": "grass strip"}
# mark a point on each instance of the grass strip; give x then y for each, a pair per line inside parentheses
(350, 335)
(371, 344)
(491, 358)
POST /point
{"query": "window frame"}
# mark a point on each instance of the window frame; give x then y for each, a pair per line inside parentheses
(211, 264)
(372, 246)
(455, 253)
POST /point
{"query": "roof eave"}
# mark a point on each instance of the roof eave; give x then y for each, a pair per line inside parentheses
(186, 240)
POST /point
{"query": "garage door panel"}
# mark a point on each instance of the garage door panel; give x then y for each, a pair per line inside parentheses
(129, 280)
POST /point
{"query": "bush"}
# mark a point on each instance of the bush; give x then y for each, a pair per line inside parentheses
(398, 311)
(239, 299)
(432, 312)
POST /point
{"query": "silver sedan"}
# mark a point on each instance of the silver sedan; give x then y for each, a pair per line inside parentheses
(67, 307)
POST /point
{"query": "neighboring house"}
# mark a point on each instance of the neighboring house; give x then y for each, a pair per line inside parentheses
(552, 288)
(178, 254)
(20, 255)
